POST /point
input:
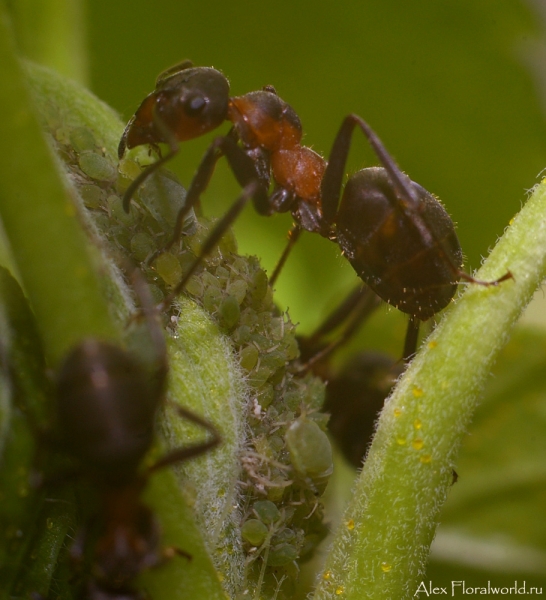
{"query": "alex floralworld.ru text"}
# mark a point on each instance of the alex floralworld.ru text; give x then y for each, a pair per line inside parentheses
(427, 589)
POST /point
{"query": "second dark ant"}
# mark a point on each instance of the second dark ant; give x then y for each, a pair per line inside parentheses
(355, 394)
(107, 400)
(396, 235)
(354, 398)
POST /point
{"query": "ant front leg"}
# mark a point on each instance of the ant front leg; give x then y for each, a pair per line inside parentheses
(248, 177)
(241, 164)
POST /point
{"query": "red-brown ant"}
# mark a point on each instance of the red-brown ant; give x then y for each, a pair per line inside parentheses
(106, 405)
(396, 235)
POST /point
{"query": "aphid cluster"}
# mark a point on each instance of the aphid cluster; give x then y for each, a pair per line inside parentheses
(396, 235)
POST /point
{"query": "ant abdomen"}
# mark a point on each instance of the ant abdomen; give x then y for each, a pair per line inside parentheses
(402, 258)
(106, 404)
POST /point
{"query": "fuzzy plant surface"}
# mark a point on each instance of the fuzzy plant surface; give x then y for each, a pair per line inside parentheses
(249, 511)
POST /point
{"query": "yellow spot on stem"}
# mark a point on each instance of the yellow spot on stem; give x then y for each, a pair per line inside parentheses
(417, 391)
(425, 458)
(397, 412)
(385, 567)
(350, 524)
(418, 443)
(340, 590)
(417, 424)
(401, 441)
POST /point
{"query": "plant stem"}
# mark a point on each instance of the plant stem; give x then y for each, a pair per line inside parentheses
(52, 33)
(41, 221)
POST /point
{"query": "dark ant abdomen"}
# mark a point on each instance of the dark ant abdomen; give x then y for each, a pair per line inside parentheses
(388, 250)
(106, 408)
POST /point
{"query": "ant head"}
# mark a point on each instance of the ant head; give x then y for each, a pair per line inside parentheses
(263, 120)
(186, 104)
(192, 101)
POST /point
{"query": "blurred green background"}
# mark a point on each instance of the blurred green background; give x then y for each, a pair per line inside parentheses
(448, 86)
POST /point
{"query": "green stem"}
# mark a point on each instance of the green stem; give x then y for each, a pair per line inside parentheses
(52, 33)
(41, 222)
(382, 546)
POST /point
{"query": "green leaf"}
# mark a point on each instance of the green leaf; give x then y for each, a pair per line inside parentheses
(53, 33)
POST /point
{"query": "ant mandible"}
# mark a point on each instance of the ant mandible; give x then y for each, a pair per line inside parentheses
(106, 405)
(396, 235)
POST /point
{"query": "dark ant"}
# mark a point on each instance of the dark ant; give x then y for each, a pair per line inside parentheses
(355, 394)
(106, 405)
(396, 235)
(354, 398)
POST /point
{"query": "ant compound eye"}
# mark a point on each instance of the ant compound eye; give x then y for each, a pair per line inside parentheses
(195, 105)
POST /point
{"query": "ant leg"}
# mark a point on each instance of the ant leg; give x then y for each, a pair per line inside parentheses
(210, 243)
(198, 185)
(333, 176)
(181, 454)
(340, 313)
(242, 166)
(220, 146)
(470, 279)
(170, 552)
(355, 309)
(332, 179)
(247, 176)
(293, 236)
(412, 335)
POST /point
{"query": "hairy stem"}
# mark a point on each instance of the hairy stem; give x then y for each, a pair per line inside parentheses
(382, 546)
